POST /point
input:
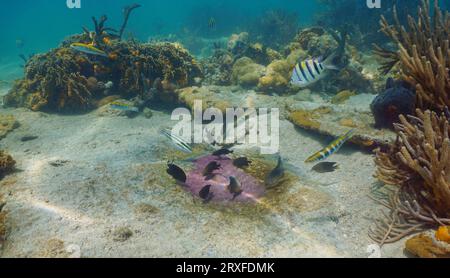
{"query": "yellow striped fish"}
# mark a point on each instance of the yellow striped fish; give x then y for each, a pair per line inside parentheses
(310, 71)
(88, 49)
(332, 148)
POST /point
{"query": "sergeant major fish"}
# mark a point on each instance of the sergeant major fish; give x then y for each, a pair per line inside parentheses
(88, 49)
(310, 71)
(332, 148)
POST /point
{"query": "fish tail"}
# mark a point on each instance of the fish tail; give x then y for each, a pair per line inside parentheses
(315, 157)
(328, 63)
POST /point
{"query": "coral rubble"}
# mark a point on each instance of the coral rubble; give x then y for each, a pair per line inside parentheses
(419, 164)
(424, 55)
(7, 163)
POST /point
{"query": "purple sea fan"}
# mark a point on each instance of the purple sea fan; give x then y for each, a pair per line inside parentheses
(252, 188)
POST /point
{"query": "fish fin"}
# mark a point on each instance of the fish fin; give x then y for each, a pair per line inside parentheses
(328, 63)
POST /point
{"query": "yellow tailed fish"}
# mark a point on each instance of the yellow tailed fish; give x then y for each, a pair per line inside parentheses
(88, 49)
(332, 148)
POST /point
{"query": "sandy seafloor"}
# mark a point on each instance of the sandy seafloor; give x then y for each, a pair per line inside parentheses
(95, 186)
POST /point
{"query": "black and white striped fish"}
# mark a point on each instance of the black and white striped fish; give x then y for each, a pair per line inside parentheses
(179, 142)
(310, 71)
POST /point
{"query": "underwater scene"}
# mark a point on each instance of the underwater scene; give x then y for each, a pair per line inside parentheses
(225, 129)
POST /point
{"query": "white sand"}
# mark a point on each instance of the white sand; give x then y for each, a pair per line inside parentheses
(110, 175)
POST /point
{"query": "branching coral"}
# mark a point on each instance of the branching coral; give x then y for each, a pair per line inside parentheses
(424, 55)
(419, 162)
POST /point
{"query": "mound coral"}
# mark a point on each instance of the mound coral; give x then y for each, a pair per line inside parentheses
(246, 72)
(424, 55)
(419, 164)
(7, 163)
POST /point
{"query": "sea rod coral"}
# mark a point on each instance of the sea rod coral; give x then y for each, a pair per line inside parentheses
(419, 164)
(424, 54)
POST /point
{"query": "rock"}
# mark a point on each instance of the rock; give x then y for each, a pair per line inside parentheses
(53, 248)
(399, 98)
(58, 163)
(122, 234)
(304, 119)
(342, 97)
(146, 209)
(347, 123)
(148, 113)
(27, 138)
(7, 163)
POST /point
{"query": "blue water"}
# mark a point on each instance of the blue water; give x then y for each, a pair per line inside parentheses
(42, 24)
(39, 25)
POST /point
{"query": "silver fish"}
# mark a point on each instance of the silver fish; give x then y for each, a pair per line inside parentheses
(276, 175)
(179, 142)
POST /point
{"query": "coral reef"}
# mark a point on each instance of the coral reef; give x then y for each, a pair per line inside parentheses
(427, 245)
(334, 120)
(399, 98)
(240, 46)
(342, 97)
(424, 55)
(64, 80)
(418, 164)
(7, 163)
(218, 68)
(304, 119)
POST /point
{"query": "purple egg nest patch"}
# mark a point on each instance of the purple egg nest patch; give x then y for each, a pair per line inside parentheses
(252, 188)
